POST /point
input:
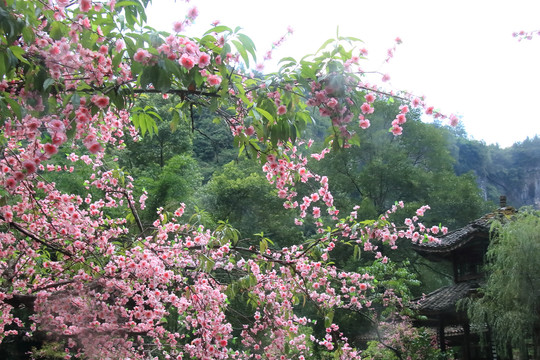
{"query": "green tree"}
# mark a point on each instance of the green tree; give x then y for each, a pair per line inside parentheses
(176, 184)
(509, 302)
(240, 193)
(416, 167)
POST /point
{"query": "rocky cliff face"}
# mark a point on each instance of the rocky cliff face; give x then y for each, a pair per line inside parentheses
(513, 171)
(529, 194)
(521, 188)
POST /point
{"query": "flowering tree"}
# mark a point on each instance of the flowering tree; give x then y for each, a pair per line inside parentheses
(82, 266)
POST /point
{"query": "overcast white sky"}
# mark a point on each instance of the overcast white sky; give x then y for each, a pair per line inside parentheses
(460, 54)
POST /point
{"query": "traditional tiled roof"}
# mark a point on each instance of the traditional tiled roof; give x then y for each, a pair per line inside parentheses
(460, 237)
(444, 300)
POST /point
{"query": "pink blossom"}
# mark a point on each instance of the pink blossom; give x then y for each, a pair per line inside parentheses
(54, 50)
(30, 166)
(213, 80)
(401, 119)
(193, 13)
(204, 60)
(100, 101)
(454, 120)
(180, 211)
(363, 286)
(367, 108)
(332, 103)
(404, 109)
(187, 62)
(249, 131)
(94, 147)
(10, 184)
(178, 26)
(56, 125)
(141, 55)
(364, 123)
(370, 98)
(50, 149)
(282, 110)
(119, 45)
(85, 5)
(59, 138)
(385, 78)
(324, 112)
(86, 23)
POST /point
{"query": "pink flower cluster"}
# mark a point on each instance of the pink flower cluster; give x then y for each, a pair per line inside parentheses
(525, 35)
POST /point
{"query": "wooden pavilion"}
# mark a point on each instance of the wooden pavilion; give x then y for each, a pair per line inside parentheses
(465, 248)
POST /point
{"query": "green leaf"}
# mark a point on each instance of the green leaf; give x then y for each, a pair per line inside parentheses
(242, 51)
(266, 114)
(208, 40)
(127, 3)
(117, 59)
(325, 44)
(47, 83)
(155, 114)
(289, 59)
(163, 81)
(356, 252)
(248, 44)
(4, 64)
(56, 30)
(218, 29)
(135, 120)
(351, 39)
(149, 76)
(328, 319)
(142, 123)
(18, 53)
(263, 245)
(15, 107)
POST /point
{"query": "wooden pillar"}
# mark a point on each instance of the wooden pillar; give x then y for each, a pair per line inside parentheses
(492, 347)
(440, 334)
(466, 341)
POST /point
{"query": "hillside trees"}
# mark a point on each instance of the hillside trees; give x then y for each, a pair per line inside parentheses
(412, 167)
(79, 267)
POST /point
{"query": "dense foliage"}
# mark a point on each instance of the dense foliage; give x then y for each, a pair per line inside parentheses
(99, 258)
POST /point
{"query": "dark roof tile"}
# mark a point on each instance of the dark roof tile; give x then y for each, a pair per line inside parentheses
(444, 300)
(460, 237)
